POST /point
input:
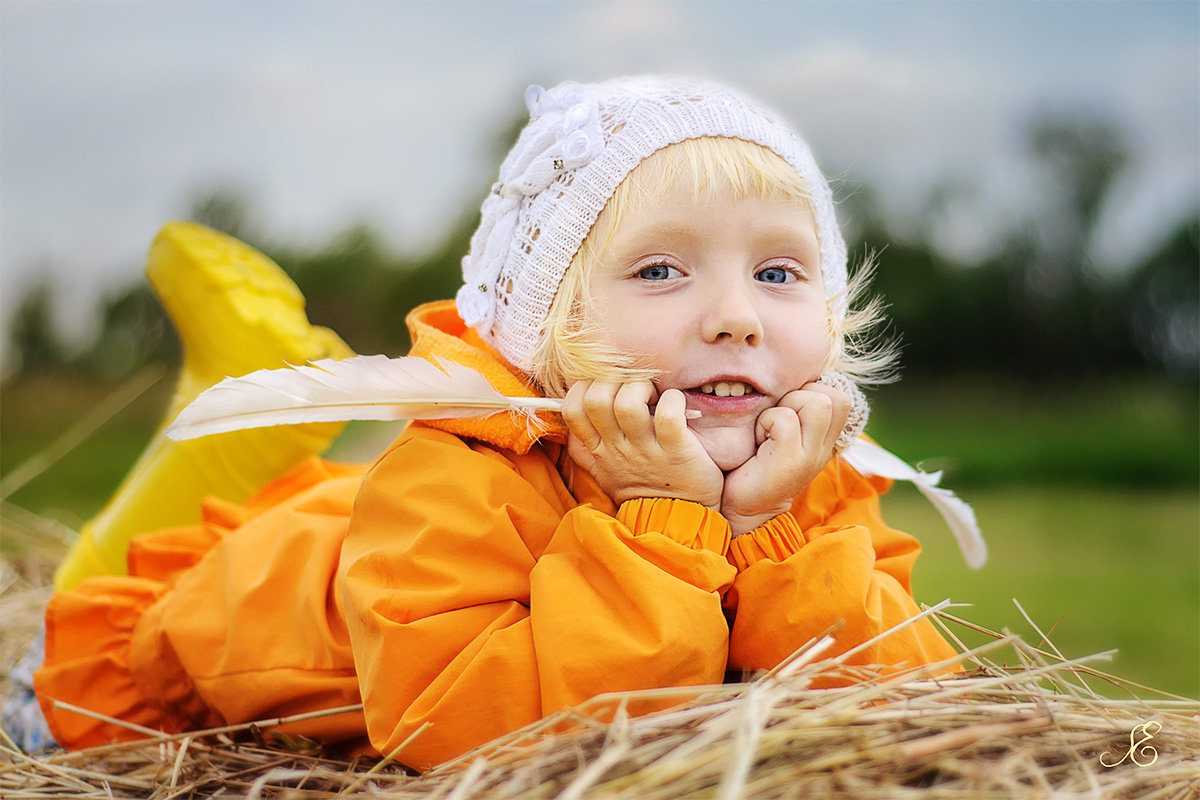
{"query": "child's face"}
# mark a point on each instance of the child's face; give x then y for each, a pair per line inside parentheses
(724, 298)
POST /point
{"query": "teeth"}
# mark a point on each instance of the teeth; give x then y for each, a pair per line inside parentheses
(726, 389)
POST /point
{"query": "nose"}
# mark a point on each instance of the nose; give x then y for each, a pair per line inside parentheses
(730, 315)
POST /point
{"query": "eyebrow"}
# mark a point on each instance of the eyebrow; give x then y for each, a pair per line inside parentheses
(668, 228)
(777, 235)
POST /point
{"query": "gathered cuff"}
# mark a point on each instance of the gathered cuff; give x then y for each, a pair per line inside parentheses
(776, 539)
(688, 523)
(89, 630)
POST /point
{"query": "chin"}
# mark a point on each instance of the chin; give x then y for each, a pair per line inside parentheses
(728, 448)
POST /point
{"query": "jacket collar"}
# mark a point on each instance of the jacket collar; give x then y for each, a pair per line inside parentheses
(436, 329)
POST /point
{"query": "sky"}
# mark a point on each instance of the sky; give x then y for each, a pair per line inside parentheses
(116, 116)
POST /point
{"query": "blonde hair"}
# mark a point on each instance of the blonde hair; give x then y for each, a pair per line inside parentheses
(569, 348)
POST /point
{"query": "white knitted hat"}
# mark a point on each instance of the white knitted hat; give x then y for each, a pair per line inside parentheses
(580, 143)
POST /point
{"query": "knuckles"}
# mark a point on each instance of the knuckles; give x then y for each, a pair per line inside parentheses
(777, 419)
(631, 400)
(598, 397)
(573, 402)
(821, 402)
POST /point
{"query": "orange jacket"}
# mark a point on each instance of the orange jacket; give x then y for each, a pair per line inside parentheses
(472, 578)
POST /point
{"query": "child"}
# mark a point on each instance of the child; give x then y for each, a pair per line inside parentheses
(654, 247)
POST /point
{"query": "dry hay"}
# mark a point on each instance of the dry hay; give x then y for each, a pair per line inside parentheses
(1033, 729)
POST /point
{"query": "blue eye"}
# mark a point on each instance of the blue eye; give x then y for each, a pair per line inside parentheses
(656, 272)
(775, 275)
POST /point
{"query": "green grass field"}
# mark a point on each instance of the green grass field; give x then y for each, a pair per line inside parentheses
(1094, 569)
(1087, 497)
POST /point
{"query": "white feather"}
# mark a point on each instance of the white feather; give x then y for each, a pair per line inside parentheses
(362, 387)
(871, 459)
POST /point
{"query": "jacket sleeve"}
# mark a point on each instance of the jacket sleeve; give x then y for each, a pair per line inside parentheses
(830, 560)
(479, 597)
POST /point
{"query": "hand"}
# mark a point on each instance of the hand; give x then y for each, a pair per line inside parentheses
(632, 453)
(795, 442)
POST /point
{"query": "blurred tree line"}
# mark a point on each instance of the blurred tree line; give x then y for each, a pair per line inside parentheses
(1036, 308)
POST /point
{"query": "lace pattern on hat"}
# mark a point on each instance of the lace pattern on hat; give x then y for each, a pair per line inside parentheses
(563, 135)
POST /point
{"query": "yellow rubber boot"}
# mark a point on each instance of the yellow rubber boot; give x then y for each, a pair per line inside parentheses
(235, 311)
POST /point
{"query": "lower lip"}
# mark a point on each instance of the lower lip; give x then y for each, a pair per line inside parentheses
(711, 403)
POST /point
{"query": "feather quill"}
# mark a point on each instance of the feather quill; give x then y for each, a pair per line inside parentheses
(363, 387)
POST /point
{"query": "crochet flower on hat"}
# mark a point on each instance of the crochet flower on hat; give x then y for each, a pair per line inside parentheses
(563, 134)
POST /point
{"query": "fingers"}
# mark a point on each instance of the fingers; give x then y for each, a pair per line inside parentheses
(615, 438)
(576, 417)
(631, 407)
(796, 440)
(822, 412)
(670, 422)
(600, 411)
(834, 412)
(780, 425)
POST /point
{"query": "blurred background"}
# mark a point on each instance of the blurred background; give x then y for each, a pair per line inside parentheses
(1028, 173)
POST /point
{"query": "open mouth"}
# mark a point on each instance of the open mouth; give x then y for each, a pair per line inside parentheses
(727, 389)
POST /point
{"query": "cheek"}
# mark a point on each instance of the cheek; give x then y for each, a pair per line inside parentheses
(810, 343)
(650, 332)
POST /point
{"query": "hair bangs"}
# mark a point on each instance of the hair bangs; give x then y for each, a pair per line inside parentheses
(716, 165)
